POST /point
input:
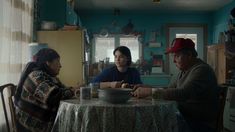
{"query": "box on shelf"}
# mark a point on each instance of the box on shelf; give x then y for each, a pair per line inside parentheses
(157, 69)
(154, 44)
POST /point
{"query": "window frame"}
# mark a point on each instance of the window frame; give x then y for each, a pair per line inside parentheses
(117, 38)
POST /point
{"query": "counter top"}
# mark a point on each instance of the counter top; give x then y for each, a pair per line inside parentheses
(156, 75)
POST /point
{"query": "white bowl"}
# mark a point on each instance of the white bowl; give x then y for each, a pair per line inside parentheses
(48, 25)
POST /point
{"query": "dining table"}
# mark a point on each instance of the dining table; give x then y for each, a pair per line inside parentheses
(137, 115)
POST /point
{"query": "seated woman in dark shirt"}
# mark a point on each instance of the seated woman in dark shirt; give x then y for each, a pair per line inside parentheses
(120, 75)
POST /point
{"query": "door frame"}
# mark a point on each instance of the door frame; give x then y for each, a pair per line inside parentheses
(167, 29)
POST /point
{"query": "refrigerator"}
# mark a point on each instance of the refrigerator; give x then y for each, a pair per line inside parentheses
(70, 46)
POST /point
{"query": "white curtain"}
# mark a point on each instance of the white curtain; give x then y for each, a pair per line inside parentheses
(16, 24)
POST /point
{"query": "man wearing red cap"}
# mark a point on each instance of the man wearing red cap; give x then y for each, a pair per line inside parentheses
(195, 88)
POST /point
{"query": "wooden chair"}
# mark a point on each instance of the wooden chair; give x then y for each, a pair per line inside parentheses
(11, 88)
(222, 98)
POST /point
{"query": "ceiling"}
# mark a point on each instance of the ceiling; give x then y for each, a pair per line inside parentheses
(149, 5)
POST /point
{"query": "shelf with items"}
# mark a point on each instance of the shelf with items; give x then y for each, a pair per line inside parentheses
(154, 44)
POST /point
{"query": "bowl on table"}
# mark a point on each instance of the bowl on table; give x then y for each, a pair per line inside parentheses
(115, 95)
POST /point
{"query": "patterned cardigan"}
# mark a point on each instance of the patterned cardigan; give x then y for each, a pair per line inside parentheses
(39, 101)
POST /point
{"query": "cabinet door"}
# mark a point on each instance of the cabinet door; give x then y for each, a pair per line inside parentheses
(221, 65)
(69, 45)
(217, 60)
(212, 58)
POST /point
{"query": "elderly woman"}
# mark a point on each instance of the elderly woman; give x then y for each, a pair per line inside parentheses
(39, 93)
(120, 75)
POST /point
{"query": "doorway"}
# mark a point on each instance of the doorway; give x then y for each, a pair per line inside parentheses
(195, 32)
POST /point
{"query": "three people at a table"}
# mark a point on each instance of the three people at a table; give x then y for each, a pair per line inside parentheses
(195, 89)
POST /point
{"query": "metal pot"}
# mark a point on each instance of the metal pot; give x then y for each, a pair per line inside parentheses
(48, 25)
(115, 95)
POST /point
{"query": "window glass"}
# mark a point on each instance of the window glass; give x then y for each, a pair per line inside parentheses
(133, 44)
(104, 48)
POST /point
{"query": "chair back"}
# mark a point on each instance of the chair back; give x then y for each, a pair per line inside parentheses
(28, 68)
(11, 89)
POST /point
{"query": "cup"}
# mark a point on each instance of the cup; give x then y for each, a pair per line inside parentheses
(77, 93)
(94, 89)
(85, 93)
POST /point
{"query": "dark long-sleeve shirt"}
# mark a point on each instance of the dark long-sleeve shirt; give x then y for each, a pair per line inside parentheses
(111, 74)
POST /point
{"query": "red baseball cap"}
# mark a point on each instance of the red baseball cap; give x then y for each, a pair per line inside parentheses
(180, 43)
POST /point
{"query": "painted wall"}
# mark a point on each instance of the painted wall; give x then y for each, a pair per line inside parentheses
(220, 21)
(52, 10)
(145, 23)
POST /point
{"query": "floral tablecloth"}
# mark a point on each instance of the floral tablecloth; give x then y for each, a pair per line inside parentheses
(136, 115)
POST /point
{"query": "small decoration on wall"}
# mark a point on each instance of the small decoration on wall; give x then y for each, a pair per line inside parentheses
(157, 63)
(153, 39)
(104, 32)
(155, 44)
(128, 29)
(153, 36)
(157, 59)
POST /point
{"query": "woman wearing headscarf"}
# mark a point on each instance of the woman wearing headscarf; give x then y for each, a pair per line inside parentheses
(39, 92)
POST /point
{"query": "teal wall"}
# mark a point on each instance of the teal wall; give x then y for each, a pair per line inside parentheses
(220, 21)
(146, 23)
(143, 22)
(52, 10)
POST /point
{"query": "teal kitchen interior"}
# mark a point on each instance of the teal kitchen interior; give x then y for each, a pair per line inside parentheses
(146, 24)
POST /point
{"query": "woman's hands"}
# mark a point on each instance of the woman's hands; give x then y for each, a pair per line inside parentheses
(116, 84)
(121, 85)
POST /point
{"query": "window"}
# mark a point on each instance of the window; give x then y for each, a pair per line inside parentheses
(193, 37)
(133, 44)
(104, 47)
